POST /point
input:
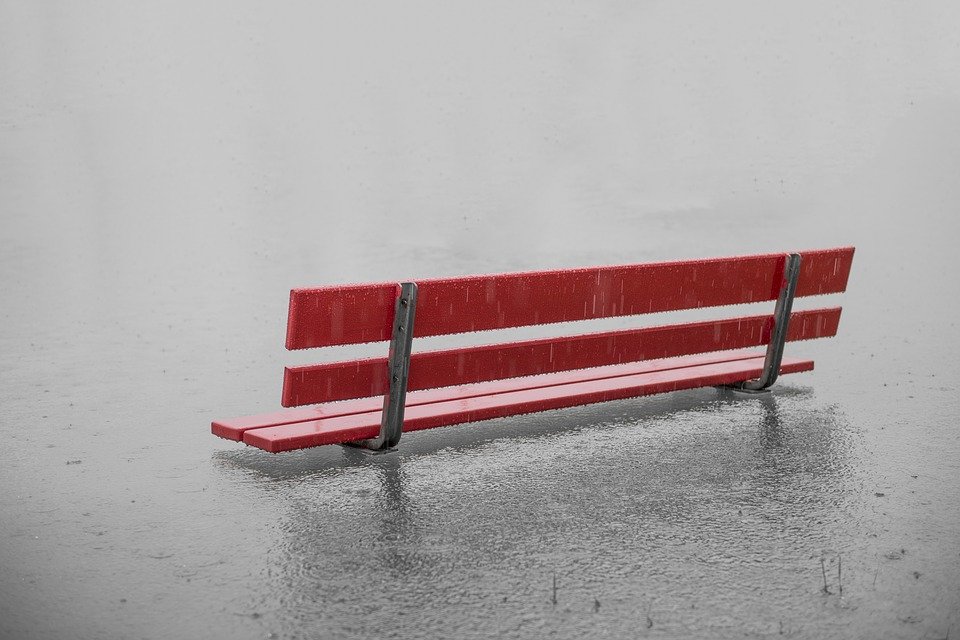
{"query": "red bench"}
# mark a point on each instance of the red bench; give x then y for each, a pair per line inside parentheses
(369, 402)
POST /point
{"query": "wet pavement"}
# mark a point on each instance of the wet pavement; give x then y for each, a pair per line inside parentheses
(168, 174)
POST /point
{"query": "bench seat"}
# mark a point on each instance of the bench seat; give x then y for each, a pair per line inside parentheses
(358, 419)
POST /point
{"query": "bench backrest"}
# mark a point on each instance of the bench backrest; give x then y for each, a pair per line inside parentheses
(355, 314)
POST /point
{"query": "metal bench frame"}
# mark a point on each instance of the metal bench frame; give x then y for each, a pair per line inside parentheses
(398, 371)
(401, 342)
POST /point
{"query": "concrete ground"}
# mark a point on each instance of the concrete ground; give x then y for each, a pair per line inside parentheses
(168, 171)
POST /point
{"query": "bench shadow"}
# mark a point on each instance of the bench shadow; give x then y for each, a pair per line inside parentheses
(464, 437)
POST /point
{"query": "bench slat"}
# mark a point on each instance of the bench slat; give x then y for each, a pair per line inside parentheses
(362, 313)
(234, 428)
(310, 384)
(425, 416)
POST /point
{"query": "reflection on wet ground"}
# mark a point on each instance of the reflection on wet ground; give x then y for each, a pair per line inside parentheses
(635, 507)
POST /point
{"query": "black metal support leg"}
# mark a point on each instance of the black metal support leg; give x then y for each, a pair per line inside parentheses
(398, 370)
(778, 337)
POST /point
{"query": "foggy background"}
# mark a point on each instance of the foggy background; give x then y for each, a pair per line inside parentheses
(169, 170)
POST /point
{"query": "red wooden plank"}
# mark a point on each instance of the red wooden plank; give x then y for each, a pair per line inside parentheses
(340, 315)
(310, 384)
(366, 425)
(821, 272)
(362, 313)
(234, 428)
